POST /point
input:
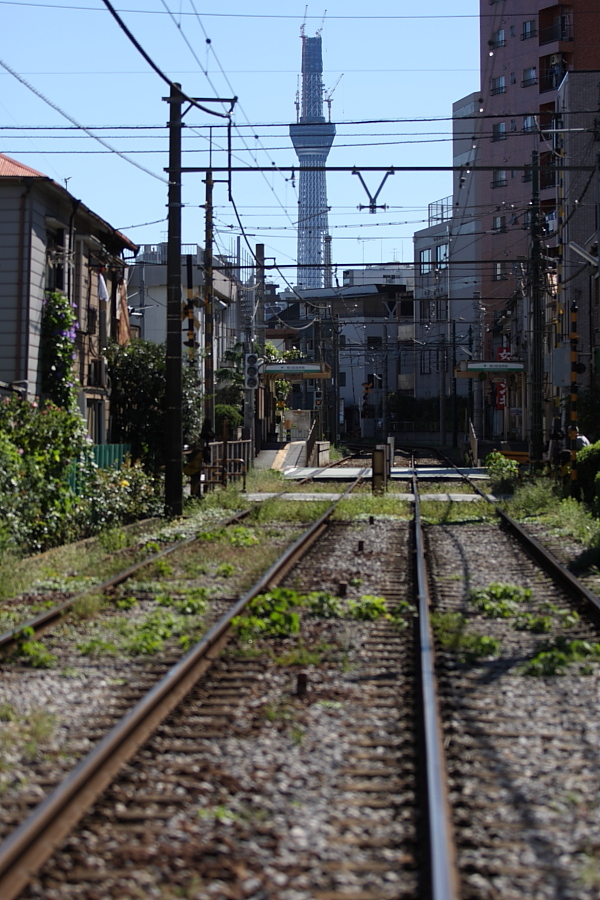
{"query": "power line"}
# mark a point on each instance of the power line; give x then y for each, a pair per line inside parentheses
(78, 125)
(296, 17)
(159, 72)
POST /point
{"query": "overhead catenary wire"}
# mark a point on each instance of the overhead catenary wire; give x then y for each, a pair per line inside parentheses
(88, 131)
(159, 72)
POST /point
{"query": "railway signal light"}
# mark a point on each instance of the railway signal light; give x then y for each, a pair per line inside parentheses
(250, 371)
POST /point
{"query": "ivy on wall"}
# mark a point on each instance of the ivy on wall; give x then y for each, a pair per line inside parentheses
(59, 331)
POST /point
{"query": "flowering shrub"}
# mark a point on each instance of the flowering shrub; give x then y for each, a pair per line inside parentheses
(59, 330)
(38, 507)
(118, 496)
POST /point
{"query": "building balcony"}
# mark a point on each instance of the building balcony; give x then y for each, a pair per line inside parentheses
(558, 32)
(528, 82)
(551, 80)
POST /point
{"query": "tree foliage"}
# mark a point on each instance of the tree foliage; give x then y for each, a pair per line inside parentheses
(138, 398)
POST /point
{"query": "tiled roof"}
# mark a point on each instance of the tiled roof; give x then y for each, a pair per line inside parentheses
(10, 168)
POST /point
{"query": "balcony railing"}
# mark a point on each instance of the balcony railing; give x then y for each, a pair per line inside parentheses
(550, 81)
(527, 82)
(530, 33)
(558, 32)
(497, 42)
(499, 182)
(498, 89)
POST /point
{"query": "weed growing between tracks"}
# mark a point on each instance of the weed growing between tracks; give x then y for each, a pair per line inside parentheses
(278, 613)
(450, 630)
(22, 735)
(541, 500)
(435, 513)
(504, 601)
(361, 506)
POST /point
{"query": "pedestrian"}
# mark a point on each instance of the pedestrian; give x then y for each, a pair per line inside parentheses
(580, 440)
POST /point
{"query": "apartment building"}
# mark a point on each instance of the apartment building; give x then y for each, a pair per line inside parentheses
(527, 47)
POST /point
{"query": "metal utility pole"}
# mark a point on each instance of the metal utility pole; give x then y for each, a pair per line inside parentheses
(573, 400)
(335, 336)
(318, 357)
(209, 373)
(478, 423)
(470, 380)
(174, 412)
(454, 402)
(259, 297)
(442, 358)
(537, 314)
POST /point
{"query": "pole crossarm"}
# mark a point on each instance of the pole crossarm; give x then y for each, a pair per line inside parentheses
(388, 169)
(372, 205)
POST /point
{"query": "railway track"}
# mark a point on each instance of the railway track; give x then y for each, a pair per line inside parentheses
(294, 766)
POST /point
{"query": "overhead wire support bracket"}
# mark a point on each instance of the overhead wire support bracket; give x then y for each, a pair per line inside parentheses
(372, 205)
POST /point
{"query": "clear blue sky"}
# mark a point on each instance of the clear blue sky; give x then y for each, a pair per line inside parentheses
(405, 61)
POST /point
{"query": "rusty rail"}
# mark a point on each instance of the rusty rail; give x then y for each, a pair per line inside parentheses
(24, 852)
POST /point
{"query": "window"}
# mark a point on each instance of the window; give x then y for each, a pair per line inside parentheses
(526, 174)
(527, 219)
(513, 124)
(498, 39)
(513, 78)
(499, 131)
(499, 179)
(529, 30)
(529, 76)
(498, 85)
(512, 30)
(425, 362)
(342, 340)
(441, 256)
(442, 309)
(529, 123)
(425, 261)
(374, 343)
(342, 379)
(498, 272)
(55, 260)
(407, 309)
(499, 224)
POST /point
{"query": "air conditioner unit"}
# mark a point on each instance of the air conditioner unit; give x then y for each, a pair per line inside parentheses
(556, 59)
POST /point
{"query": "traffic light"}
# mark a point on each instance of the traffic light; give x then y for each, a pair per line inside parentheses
(250, 371)
(318, 398)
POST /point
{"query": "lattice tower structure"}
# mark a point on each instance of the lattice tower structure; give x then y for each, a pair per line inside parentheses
(312, 138)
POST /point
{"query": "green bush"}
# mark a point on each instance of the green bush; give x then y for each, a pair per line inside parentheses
(231, 413)
(503, 472)
(588, 466)
(137, 402)
(38, 507)
(37, 448)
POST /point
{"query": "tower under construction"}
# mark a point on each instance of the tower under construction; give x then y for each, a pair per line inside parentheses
(312, 138)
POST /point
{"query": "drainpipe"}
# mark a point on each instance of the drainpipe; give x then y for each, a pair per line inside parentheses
(70, 260)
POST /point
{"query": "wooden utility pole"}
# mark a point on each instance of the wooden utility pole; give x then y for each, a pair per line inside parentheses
(174, 386)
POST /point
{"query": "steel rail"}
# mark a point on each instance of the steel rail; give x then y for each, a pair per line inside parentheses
(442, 872)
(539, 553)
(33, 842)
(44, 620)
